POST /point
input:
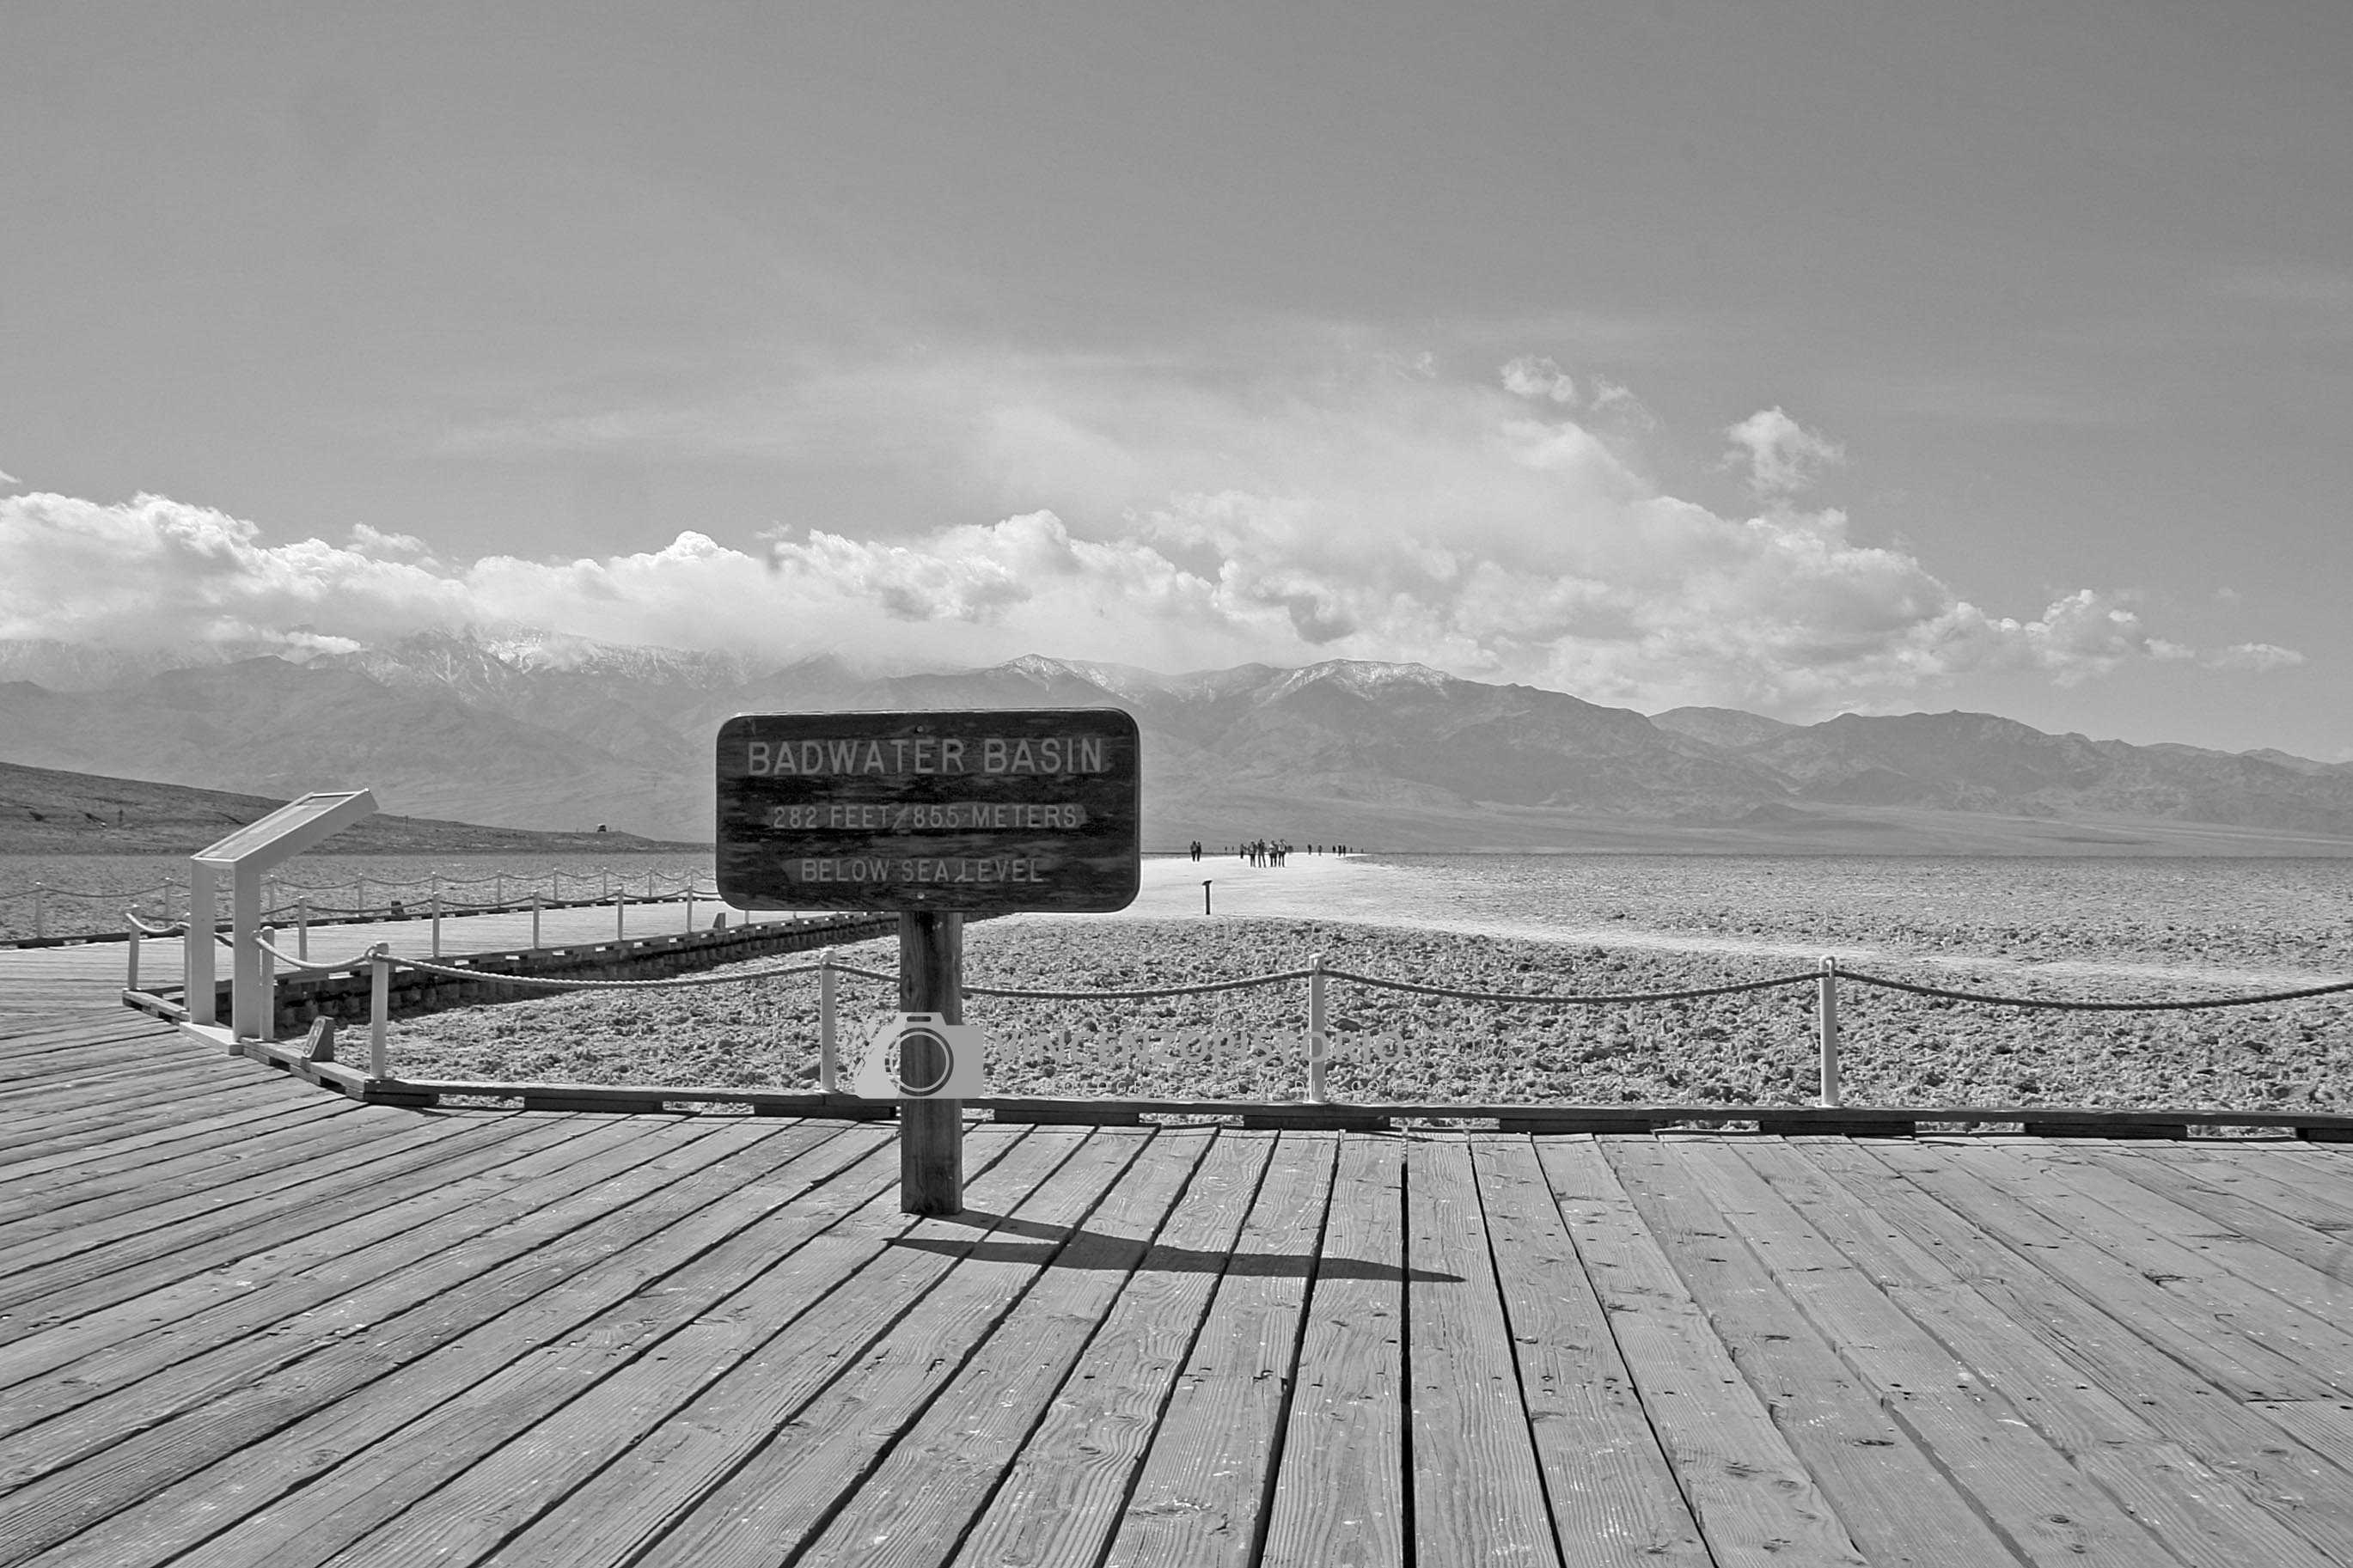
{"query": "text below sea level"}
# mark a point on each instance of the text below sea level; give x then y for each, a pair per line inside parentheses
(975, 813)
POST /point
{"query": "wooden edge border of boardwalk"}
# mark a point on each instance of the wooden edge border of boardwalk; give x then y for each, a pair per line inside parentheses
(1843, 1120)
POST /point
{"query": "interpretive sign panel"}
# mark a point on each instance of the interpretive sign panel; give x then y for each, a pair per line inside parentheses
(975, 813)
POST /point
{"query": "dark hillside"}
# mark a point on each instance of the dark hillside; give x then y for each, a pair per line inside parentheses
(46, 812)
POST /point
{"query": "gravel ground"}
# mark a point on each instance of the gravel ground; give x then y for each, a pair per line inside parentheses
(1709, 922)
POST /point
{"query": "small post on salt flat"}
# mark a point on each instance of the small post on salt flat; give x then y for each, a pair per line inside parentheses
(931, 1131)
(1826, 1017)
(828, 1046)
(379, 1005)
(1318, 1042)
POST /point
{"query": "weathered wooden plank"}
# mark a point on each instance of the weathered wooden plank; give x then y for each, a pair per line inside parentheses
(29, 1028)
(71, 1290)
(775, 1503)
(2184, 1328)
(1754, 1501)
(54, 1420)
(676, 1428)
(1201, 1494)
(1476, 1491)
(136, 1067)
(2124, 1420)
(104, 1143)
(1062, 1498)
(913, 1509)
(1612, 1497)
(36, 1258)
(2324, 1425)
(70, 1120)
(341, 1472)
(135, 1096)
(2251, 1292)
(1885, 1484)
(2111, 1347)
(123, 1038)
(114, 1477)
(123, 1197)
(2068, 1482)
(134, 1083)
(2213, 1210)
(2306, 1200)
(1339, 1496)
(166, 1327)
(92, 1026)
(129, 1077)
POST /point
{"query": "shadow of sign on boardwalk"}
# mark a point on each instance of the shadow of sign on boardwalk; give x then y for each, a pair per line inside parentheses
(1162, 1259)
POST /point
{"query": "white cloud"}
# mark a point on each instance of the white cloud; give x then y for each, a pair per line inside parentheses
(9, 479)
(1167, 518)
(1613, 402)
(1533, 376)
(2255, 657)
(1782, 455)
(367, 541)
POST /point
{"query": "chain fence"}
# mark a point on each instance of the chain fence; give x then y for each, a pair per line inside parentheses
(1309, 1072)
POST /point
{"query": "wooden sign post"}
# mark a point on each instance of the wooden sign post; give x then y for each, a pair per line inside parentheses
(931, 1131)
(932, 815)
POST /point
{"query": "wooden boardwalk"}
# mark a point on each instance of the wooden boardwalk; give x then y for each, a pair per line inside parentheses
(41, 978)
(244, 1321)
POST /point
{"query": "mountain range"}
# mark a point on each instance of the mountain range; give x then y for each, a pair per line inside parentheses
(531, 729)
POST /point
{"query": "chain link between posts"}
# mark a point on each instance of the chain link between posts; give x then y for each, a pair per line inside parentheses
(1283, 976)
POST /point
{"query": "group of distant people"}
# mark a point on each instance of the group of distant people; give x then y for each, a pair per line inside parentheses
(1267, 851)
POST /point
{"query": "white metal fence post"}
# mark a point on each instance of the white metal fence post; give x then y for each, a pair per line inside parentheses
(621, 914)
(131, 967)
(379, 1005)
(534, 916)
(436, 921)
(828, 1063)
(1826, 1015)
(266, 1028)
(690, 906)
(1317, 1044)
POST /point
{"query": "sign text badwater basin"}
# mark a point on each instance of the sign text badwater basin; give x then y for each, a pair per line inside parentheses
(979, 812)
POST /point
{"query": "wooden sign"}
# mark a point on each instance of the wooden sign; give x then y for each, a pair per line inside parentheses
(970, 812)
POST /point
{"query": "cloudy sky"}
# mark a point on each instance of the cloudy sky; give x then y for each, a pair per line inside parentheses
(1788, 354)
